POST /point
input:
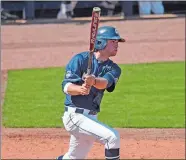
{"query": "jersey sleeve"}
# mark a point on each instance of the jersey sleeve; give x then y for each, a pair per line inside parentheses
(112, 76)
(73, 72)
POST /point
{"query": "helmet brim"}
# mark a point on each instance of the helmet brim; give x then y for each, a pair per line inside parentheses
(122, 40)
(112, 38)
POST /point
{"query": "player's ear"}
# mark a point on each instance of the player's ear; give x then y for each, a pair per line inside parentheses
(100, 44)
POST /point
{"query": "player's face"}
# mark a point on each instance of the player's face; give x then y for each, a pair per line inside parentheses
(112, 47)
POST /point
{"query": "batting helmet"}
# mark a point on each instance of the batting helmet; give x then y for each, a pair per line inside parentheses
(105, 33)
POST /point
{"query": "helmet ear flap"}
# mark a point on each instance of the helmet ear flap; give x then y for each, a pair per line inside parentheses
(100, 44)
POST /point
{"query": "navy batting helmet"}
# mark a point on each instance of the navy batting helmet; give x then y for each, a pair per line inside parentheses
(105, 33)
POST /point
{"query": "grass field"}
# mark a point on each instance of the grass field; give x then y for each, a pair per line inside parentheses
(147, 95)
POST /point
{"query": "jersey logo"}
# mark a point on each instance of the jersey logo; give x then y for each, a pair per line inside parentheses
(68, 74)
(105, 69)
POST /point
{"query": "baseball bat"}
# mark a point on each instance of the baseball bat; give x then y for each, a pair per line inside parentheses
(93, 33)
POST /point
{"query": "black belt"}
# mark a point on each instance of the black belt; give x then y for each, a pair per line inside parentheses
(81, 111)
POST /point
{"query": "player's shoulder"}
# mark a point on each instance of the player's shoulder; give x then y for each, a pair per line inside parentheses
(79, 57)
(82, 55)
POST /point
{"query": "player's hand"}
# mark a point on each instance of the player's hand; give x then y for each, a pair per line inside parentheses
(89, 79)
(85, 89)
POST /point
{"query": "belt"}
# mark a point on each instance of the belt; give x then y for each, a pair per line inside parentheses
(81, 111)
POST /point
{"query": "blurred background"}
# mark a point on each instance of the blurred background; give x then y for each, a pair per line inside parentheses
(11, 10)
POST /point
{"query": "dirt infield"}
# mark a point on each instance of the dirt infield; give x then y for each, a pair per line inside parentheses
(40, 46)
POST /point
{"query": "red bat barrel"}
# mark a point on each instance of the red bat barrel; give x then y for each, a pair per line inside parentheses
(93, 33)
(94, 27)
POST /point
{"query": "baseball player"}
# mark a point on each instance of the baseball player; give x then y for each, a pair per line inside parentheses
(84, 94)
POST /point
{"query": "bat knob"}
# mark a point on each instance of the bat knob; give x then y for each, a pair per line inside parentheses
(96, 9)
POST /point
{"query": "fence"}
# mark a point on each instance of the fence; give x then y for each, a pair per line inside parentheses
(49, 9)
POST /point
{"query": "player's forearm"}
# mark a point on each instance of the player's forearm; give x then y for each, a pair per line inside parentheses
(72, 89)
(100, 83)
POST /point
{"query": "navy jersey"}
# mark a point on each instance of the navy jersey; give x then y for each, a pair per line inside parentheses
(74, 72)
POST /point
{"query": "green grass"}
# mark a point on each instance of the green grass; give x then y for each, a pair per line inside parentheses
(147, 95)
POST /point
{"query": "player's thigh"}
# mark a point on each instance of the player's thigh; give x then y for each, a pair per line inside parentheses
(70, 120)
(91, 127)
(79, 146)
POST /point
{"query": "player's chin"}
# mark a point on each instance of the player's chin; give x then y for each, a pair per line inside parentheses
(114, 53)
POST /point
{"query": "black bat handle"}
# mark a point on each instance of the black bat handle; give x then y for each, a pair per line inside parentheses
(89, 68)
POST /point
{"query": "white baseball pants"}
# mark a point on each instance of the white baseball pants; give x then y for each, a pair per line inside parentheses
(84, 130)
